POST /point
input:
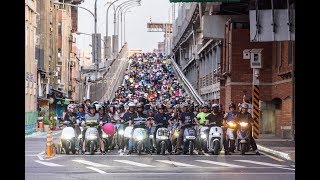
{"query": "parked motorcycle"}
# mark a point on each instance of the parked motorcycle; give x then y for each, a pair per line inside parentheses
(243, 134)
(215, 139)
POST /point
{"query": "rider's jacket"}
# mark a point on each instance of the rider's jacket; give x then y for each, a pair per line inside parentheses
(91, 119)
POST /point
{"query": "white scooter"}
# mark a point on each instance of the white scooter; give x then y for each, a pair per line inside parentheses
(215, 139)
(68, 138)
(92, 138)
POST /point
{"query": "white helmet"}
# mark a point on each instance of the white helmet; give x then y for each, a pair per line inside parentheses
(215, 105)
(132, 104)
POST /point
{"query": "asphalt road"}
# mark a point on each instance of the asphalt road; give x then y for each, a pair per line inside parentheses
(119, 166)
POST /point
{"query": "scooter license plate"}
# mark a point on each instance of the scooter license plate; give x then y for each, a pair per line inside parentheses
(190, 137)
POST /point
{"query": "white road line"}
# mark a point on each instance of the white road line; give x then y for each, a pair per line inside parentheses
(177, 163)
(221, 163)
(272, 157)
(207, 173)
(206, 154)
(39, 155)
(96, 169)
(133, 163)
(47, 163)
(293, 165)
(91, 163)
(261, 163)
(287, 168)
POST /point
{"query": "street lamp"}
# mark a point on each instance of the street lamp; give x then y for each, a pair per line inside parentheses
(79, 33)
(124, 11)
(128, 5)
(118, 8)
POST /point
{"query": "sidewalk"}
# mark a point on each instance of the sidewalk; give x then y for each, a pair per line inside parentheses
(42, 134)
(282, 148)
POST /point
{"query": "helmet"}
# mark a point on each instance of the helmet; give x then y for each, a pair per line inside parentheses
(204, 105)
(170, 106)
(232, 105)
(80, 106)
(215, 106)
(71, 107)
(161, 106)
(244, 105)
(139, 105)
(132, 104)
(92, 106)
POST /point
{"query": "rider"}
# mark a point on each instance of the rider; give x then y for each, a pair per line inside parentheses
(201, 120)
(187, 118)
(129, 117)
(246, 116)
(163, 118)
(216, 117)
(91, 117)
(81, 112)
(232, 115)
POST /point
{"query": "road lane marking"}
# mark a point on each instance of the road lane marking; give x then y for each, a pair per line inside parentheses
(273, 157)
(221, 163)
(261, 163)
(47, 163)
(39, 155)
(91, 163)
(293, 165)
(207, 173)
(287, 168)
(177, 163)
(97, 170)
(206, 154)
(133, 163)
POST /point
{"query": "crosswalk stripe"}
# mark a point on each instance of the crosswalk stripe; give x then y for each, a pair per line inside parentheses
(47, 163)
(177, 163)
(133, 163)
(91, 163)
(221, 163)
(98, 170)
(261, 163)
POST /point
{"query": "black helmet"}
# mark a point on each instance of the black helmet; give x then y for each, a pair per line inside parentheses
(170, 106)
(232, 105)
(160, 106)
(205, 106)
(139, 105)
(92, 106)
(81, 106)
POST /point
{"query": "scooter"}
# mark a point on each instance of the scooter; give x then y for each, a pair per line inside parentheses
(121, 126)
(215, 139)
(243, 134)
(189, 138)
(230, 136)
(92, 138)
(139, 134)
(162, 140)
(204, 135)
(68, 138)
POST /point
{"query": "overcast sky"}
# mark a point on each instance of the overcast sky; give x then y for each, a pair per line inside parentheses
(136, 22)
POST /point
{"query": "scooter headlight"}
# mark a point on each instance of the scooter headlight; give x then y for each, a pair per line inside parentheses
(139, 138)
(203, 136)
(121, 132)
(66, 136)
(231, 124)
(80, 136)
(243, 124)
(216, 134)
(92, 137)
(104, 135)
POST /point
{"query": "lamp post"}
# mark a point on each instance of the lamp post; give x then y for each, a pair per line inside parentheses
(118, 8)
(121, 9)
(123, 30)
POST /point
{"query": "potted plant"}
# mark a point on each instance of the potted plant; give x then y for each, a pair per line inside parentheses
(53, 120)
(46, 124)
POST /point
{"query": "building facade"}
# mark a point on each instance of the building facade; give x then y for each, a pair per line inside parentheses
(211, 41)
(31, 114)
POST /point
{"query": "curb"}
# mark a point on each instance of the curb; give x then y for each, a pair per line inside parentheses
(43, 134)
(274, 152)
